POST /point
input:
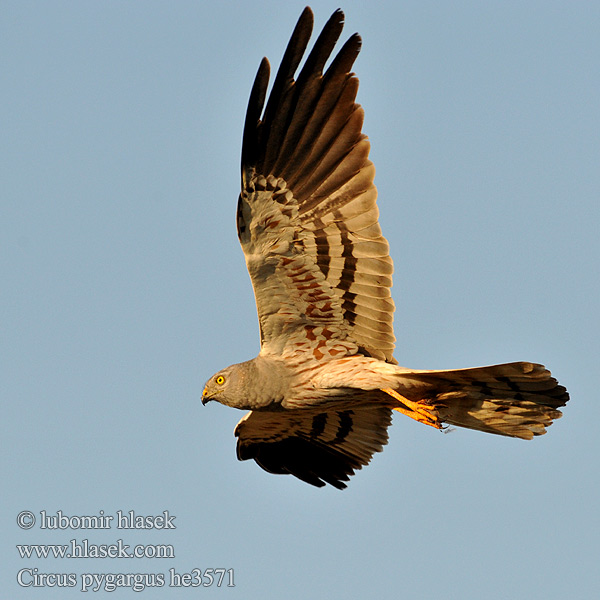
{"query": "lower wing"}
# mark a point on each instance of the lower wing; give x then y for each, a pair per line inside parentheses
(319, 445)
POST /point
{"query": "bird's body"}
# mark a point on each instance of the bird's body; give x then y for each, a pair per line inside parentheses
(323, 386)
(276, 383)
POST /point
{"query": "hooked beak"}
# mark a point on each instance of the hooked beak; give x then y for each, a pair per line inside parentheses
(205, 397)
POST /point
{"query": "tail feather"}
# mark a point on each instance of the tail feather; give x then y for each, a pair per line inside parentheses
(515, 399)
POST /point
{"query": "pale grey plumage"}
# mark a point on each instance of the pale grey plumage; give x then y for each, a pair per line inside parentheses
(323, 386)
(254, 384)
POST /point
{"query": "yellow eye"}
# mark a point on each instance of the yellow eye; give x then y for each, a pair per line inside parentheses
(220, 380)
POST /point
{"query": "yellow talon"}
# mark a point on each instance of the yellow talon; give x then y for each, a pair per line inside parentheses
(419, 411)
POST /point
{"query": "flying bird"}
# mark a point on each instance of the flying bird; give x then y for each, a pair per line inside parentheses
(322, 389)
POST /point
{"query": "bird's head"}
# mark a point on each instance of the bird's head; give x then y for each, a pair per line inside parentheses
(249, 385)
(219, 386)
(230, 386)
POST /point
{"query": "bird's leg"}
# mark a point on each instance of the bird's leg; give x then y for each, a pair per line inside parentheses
(419, 411)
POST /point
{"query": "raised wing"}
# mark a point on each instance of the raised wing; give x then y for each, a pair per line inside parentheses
(307, 217)
(317, 445)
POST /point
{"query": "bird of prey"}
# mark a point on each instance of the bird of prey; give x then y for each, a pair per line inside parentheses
(322, 389)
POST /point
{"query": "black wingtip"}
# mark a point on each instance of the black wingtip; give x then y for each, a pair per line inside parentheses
(306, 12)
(253, 113)
(295, 456)
(265, 132)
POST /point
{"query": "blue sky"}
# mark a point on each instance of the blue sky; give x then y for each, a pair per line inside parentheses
(124, 288)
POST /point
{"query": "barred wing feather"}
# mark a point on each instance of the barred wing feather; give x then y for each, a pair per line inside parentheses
(307, 215)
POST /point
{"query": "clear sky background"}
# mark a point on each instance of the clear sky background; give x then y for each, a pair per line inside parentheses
(124, 288)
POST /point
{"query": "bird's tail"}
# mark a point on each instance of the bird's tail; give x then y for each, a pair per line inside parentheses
(515, 399)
